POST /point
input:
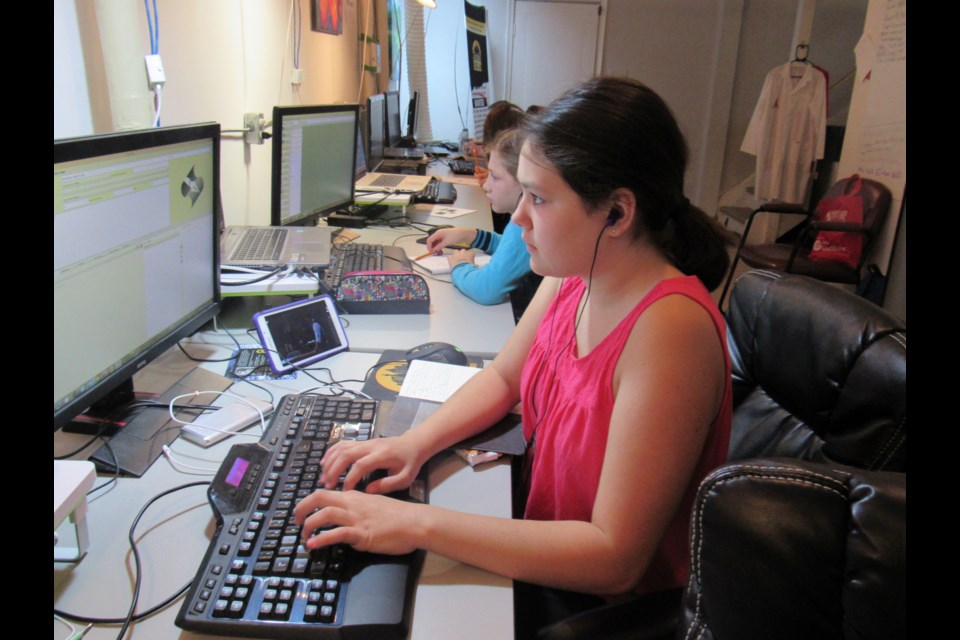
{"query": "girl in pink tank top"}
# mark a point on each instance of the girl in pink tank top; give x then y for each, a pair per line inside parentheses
(619, 363)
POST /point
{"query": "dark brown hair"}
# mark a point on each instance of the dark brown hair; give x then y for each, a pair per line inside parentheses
(502, 115)
(507, 144)
(610, 133)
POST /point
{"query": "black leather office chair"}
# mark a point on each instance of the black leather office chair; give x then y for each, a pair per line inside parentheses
(819, 382)
(793, 550)
(793, 256)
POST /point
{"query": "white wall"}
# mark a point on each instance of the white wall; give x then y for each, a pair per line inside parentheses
(765, 42)
(71, 107)
(222, 58)
(447, 70)
(685, 50)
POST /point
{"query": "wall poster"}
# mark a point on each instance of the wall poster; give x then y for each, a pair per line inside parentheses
(480, 94)
(326, 16)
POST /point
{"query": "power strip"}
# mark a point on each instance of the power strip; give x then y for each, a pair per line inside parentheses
(211, 428)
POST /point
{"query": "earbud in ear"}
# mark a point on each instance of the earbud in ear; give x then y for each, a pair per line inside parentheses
(615, 214)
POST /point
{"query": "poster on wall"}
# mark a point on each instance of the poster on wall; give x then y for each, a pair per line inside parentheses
(480, 96)
(326, 16)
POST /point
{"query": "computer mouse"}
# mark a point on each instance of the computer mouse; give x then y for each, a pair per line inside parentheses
(437, 352)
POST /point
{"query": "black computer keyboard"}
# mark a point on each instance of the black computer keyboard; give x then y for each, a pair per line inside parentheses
(256, 579)
(393, 287)
(465, 167)
(353, 256)
(436, 192)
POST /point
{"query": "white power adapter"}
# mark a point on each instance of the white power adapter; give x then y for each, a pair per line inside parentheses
(156, 77)
(214, 426)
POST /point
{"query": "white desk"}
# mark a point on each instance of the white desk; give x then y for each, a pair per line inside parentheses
(477, 329)
(452, 599)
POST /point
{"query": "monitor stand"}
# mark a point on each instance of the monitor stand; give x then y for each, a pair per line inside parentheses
(98, 419)
(140, 442)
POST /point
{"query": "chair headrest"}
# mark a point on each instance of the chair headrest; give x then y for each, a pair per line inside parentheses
(818, 373)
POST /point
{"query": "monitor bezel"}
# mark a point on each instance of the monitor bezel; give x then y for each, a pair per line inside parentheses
(392, 136)
(413, 115)
(374, 158)
(305, 218)
(87, 147)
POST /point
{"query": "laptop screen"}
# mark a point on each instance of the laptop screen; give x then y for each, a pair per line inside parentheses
(314, 159)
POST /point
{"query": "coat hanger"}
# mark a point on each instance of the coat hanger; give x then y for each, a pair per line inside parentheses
(800, 61)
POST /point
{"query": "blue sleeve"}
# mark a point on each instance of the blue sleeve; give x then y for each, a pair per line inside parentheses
(492, 283)
(487, 241)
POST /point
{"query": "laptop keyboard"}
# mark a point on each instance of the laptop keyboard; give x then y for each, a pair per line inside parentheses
(260, 244)
(388, 180)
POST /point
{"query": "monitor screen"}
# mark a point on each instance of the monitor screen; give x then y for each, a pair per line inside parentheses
(313, 162)
(375, 134)
(392, 99)
(136, 263)
(413, 109)
(361, 162)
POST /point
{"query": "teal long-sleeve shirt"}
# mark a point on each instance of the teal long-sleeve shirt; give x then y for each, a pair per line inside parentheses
(492, 283)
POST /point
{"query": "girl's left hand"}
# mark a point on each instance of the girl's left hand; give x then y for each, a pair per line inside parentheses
(367, 522)
(461, 255)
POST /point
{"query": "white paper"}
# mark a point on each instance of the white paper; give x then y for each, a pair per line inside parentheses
(438, 265)
(434, 381)
(446, 211)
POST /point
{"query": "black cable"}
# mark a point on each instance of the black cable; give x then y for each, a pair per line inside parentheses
(206, 359)
(116, 470)
(136, 618)
(573, 336)
(131, 616)
(138, 404)
(136, 552)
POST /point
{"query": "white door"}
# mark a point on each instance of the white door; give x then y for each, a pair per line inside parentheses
(554, 48)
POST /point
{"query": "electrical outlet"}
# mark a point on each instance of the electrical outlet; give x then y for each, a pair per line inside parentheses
(253, 128)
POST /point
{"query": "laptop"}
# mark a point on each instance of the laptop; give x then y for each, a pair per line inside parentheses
(374, 181)
(273, 247)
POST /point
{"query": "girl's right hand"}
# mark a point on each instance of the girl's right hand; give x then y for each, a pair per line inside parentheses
(397, 456)
(445, 237)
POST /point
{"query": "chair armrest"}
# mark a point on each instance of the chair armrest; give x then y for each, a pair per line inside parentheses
(653, 616)
(783, 207)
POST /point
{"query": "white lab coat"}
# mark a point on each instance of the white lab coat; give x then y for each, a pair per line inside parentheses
(787, 132)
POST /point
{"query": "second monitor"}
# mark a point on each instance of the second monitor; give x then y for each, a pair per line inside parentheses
(313, 162)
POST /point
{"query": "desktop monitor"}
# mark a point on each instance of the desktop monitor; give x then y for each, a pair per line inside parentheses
(136, 263)
(360, 164)
(376, 117)
(412, 114)
(392, 100)
(313, 162)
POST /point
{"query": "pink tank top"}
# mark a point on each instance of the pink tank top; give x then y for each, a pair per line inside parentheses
(570, 410)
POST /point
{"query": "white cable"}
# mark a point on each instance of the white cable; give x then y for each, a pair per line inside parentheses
(168, 454)
(158, 93)
(283, 52)
(263, 420)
